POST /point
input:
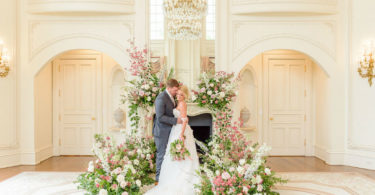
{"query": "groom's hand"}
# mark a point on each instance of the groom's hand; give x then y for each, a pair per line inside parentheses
(179, 120)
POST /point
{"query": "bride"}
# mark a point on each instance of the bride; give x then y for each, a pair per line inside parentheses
(179, 177)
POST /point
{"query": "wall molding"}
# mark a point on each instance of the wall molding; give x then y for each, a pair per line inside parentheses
(308, 7)
(238, 50)
(34, 50)
(43, 154)
(81, 6)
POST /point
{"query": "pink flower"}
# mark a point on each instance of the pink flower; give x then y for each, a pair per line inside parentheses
(114, 186)
(204, 97)
(141, 93)
(204, 101)
(178, 146)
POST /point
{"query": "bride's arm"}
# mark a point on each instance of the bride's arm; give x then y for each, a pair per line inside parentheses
(183, 117)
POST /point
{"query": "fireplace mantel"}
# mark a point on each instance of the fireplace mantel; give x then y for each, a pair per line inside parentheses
(194, 110)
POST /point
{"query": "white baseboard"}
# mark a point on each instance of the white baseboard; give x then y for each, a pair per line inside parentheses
(360, 161)
(9, 160)
(330, 157)
(43, 154)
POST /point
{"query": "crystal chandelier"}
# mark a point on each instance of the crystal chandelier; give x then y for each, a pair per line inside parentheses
(185, 18)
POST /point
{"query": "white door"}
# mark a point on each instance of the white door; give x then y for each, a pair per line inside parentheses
(77, 81)
(286, 106)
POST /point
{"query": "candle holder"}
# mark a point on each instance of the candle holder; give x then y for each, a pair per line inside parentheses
(4, 61)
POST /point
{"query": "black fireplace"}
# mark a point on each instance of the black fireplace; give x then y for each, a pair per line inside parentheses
(202, 127)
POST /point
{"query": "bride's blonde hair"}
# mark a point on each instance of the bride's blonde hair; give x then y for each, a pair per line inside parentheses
(185, 91)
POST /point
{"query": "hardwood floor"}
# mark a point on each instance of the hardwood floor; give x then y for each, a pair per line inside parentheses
(278, 164)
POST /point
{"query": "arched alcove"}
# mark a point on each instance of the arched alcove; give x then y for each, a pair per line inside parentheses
(256, 94)
(116, 90)
(320, 55)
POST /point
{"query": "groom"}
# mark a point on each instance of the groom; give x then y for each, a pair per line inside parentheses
(164, 121)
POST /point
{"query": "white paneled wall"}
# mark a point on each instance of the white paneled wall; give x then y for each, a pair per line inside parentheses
(9, 142)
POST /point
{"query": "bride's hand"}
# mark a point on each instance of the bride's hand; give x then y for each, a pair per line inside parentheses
(182, 137)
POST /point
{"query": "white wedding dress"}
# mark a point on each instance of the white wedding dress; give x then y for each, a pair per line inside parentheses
(178, 177)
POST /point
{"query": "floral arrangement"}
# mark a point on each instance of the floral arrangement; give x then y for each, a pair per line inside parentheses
(142, 91)
(215, 91)
(178, 150)
(122, 169)
(233, 166)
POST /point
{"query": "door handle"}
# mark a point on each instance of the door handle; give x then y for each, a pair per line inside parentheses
(271, 118)
(93, 118)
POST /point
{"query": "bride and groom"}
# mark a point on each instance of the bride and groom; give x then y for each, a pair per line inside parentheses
(172, 176)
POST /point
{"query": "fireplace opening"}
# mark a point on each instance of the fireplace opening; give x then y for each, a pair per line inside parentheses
(202, 128)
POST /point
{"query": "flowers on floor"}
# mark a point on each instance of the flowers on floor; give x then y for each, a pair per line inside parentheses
(178, 150)
(233, 166)
(122, 169)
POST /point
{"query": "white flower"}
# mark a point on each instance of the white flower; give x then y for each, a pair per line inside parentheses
(123, 184)
(240, 169)
(138, 182)
(225, 175)
(103, 192)
(148, 157)
(193, 98)
(245, 189)
(148, 98)
(211, 85)
(120, 178)
(91, 167)
(154, 89)
(267, 171)
(139, 151)
(223, 85)
(242, 161)
(222, 94)
(147, 87)
(232, 169)
(178, 147)
(124, 193)
(151, 83)
(260, 188)
(258, 179)
(98, 144)
(136, 162)
(209, 92)
(217, 172)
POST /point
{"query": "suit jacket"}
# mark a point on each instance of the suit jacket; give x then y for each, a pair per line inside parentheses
(164, 118)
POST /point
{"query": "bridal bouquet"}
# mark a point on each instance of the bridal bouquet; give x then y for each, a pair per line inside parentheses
(122, 169)
(178, 150)
(215, 91)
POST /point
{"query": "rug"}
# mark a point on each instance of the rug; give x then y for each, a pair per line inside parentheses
(300, 183)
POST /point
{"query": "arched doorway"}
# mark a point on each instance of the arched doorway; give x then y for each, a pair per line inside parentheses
(281, 91)
(74, 97)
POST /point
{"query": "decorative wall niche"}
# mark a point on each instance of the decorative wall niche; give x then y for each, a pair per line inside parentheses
(248, 100)
(116, 110)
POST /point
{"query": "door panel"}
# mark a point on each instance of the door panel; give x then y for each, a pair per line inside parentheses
(77, 80)
(286, 106)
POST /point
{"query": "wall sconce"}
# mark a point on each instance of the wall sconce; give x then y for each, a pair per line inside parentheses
(4, 60)
(366, 63)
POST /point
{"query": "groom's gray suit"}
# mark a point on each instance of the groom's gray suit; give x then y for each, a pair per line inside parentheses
(163, 124)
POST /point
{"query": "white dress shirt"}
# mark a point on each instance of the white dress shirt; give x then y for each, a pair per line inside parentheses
(170, 96)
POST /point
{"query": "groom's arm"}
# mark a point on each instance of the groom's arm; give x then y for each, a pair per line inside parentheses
(160, 113)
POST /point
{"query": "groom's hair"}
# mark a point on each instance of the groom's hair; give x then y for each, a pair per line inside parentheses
(172, 83)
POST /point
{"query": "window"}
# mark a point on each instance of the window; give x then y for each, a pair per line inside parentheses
(210, 20)
(156, 20)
